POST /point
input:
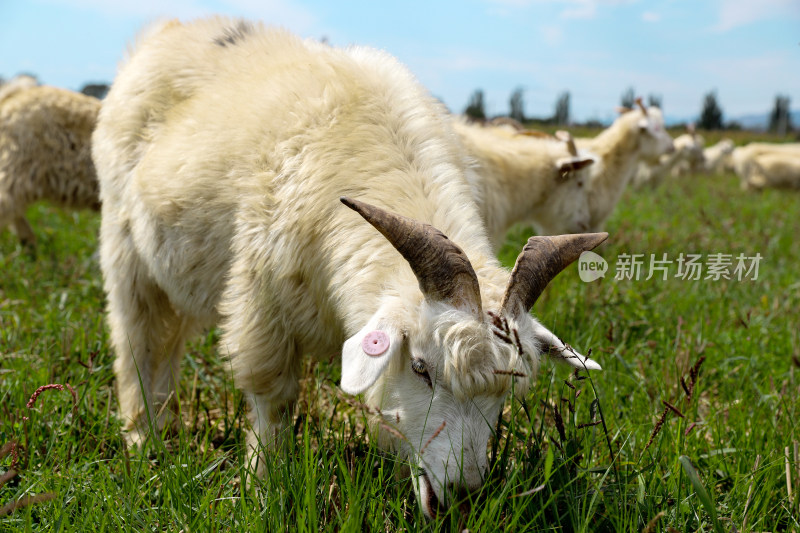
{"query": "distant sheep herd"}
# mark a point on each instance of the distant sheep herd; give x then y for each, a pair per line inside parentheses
(310, 200)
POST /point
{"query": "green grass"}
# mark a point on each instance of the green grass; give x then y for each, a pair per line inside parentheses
(550, 471)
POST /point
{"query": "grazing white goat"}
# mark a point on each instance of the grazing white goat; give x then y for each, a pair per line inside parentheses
(222, 150)
(527, 179)
(45, 151)
(762, 164)
(684, 159)
(637, 135)
(778, 170)
(692, 160)
(717, 157)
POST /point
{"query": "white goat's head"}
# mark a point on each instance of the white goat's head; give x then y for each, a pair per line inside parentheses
(440, 368)
(567, 207)
(655, 141)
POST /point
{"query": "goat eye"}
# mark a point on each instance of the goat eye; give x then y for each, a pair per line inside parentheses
(421, 369)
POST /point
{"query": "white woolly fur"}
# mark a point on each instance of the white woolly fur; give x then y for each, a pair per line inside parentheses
(760, 165)
(525, 179)
(45, 152)
(717, 157)
(222, 150)
(632, 138)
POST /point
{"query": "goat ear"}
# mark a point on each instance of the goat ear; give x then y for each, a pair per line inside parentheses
(366, 355)
(552, 346)
(570, 164)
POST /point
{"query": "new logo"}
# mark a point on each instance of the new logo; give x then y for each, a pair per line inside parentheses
(591, 266)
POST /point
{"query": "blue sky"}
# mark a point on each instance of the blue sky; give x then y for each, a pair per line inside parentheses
(748, 50)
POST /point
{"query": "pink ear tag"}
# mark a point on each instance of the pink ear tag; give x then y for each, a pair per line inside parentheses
(375, 343)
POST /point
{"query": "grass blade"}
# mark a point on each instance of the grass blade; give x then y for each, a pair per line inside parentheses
(700, 490)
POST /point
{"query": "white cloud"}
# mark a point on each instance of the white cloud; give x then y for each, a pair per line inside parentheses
(138, 8)
(552, 35)
(465, 60)
(651, 16)
(580, 9)
(736, 70)
(573, 9)
(279, 12)
(513, 3)
(735, 13)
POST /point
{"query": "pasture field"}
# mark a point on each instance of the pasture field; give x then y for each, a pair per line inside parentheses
(572, 456)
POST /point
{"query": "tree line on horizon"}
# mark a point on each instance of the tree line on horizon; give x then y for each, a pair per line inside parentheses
(711, 116)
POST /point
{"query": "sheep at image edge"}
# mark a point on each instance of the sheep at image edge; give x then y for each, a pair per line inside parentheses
(45, 151)
(760, 165)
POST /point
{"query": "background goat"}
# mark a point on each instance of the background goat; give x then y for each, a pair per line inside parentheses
(45, 154)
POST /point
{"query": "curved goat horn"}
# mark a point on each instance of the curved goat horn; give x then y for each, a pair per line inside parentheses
(541, 260)
(641, 105)
(441, 267)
